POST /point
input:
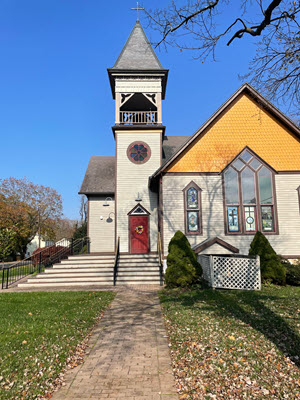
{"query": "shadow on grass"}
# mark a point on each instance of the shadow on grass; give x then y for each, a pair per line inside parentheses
(249, 308)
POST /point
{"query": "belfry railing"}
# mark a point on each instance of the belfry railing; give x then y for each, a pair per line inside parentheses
(138, 117)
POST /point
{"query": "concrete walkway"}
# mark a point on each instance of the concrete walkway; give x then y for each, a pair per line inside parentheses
(129, 354)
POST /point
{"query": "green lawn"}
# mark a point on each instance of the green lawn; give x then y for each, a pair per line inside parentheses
(234, 344)
(38, 332)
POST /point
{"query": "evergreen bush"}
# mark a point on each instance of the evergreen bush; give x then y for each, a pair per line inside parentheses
(293, 274)
(271, 268)
(183, 268)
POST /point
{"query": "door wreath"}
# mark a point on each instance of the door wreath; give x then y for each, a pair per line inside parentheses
(139, 229)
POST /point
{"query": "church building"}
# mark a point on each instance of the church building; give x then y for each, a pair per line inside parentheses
(237, 174)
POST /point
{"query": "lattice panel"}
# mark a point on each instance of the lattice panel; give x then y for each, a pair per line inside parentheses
(205, 263)
(236, 273)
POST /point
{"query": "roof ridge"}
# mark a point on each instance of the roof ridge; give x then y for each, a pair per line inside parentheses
(257, 96)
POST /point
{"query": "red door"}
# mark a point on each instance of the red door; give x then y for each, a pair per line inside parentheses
(139, 236)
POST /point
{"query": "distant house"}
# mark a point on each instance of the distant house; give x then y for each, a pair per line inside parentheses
(34, 244)
(63, 242)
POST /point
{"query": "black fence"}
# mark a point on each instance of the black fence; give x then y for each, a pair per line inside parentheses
(42, 259)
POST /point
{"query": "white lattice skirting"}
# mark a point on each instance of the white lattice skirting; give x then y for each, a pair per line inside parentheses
(235, 272)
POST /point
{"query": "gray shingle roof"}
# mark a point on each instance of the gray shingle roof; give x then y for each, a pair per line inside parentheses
(171, 144)
(137, 54)
(100, 176)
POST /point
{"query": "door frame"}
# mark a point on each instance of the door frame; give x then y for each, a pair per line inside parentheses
(136, 211)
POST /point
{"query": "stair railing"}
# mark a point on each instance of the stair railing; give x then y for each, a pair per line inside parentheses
(160, 259)
(116, 261)
(46, 257)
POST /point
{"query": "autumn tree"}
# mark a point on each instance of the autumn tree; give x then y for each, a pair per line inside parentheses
(203, 25)
(27, 208)
(7, 243)
(64, 228)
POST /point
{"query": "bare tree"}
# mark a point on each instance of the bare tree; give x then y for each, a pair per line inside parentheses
(83, 209)
(200, 25)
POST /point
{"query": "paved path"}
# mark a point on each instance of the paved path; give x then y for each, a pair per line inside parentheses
(129, 356)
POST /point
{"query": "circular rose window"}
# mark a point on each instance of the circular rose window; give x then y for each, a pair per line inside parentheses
(138, 152)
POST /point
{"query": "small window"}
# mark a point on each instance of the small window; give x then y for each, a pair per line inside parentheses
(249, 196)
(192, 209)
(138, 152)
(299, 197)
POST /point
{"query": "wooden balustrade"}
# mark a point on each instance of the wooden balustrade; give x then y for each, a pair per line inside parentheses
(138, 117)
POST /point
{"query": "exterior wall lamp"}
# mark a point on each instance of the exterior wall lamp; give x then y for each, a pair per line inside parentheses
(109, 219)
(105, 204)
(138, 199)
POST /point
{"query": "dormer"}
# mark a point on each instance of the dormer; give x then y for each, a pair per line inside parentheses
(138, 82)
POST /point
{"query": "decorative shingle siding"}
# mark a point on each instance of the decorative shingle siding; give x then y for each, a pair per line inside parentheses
(133, 179)
(244, 123)
(286, 243)
(101, 232)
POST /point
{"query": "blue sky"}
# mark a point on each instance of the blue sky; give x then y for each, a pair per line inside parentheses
(56, 108)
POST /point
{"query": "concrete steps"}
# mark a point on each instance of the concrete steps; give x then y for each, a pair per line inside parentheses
(138, 269)
(86, 270)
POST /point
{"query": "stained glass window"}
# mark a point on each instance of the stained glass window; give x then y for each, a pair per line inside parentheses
(250, 219)
(265, 186)
(192, 198)
(192, 205)
(233, 219)
(249, 199)
(248, 186)
(231, 186)
(255, 163)
(138, 152)
(193, 221)
(238, 164)
(267, 218)
(246, 156)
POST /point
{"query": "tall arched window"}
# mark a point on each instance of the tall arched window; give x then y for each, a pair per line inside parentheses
(249, 196)
(192, 209)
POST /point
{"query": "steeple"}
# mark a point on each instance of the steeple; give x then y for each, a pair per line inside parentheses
(138, 82)
(137, 54)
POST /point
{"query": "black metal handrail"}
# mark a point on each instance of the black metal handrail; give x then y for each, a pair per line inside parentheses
(43, 259)
(116, 261)
(161, 266)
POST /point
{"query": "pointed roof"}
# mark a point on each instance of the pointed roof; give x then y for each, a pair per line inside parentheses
(245, 88)
(137, 54)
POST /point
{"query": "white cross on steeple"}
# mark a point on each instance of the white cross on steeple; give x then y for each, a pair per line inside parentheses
(137, 10)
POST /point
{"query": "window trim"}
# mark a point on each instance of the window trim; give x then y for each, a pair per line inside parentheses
(298, 190)
(186, 210)
(242, 223)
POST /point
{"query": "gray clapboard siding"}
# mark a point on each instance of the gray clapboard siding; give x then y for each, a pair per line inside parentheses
(101, 232)
(286, 243)
(133, 179)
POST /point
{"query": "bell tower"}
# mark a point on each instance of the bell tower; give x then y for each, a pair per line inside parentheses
(138, 83)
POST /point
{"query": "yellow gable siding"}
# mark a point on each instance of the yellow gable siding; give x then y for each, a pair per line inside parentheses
(244, 123)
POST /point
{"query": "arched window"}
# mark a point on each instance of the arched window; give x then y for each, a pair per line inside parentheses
(249, 196)
(192, 209)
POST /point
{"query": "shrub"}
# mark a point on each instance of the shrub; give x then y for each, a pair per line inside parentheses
(293, 274)
(271, 268)
(182, 266)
